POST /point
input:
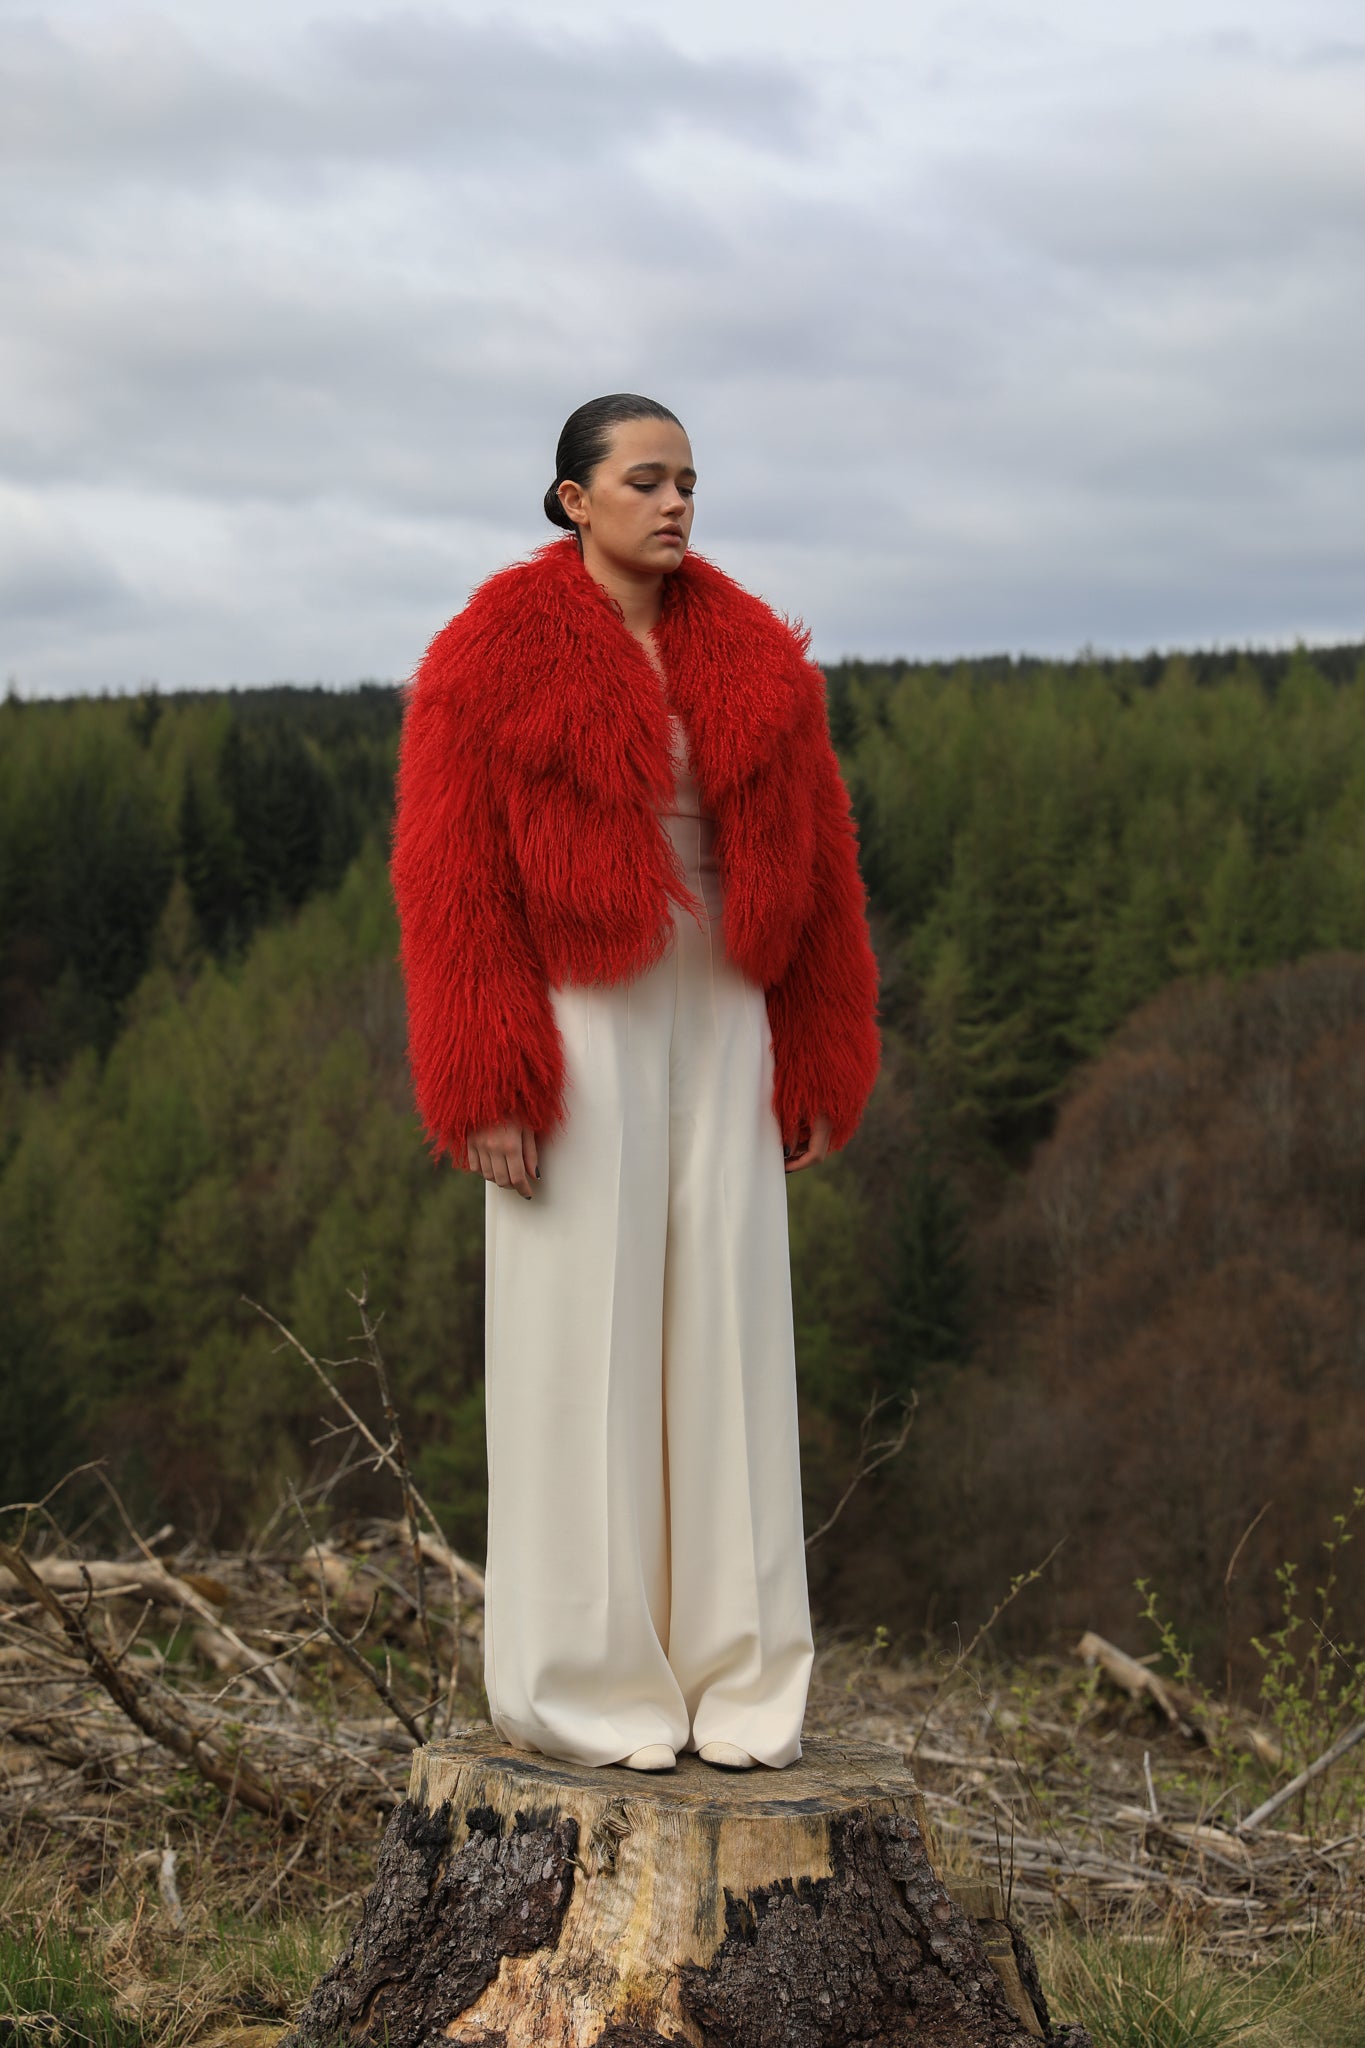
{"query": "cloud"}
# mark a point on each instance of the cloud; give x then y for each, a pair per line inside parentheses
(140, 98)
(328, 333)
(49, 571)
(995, 342)
(1235, 159)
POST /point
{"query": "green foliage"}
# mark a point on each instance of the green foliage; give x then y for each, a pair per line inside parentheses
(249, 1134)
(1312, 1681)
(204, 1093)
(251, 801)
(1052, 842)
(1313, 1684)
(52, 1990)
(927, 1316)
(833, 1293)
(1163, 1993)
(1179, 1657)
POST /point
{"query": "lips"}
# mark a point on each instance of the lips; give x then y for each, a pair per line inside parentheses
(669, 533)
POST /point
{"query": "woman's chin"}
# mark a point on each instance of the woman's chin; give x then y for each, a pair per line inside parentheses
(657, 561)
(651, 558)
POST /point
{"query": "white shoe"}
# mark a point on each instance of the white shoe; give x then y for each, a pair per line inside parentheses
(728, 1755)
(655, 1756)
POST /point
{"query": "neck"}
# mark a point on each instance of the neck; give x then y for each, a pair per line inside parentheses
(640, 594)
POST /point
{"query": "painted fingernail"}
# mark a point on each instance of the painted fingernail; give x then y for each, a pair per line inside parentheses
(537, 1173)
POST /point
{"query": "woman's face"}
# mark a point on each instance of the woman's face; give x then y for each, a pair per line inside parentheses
(636, 511)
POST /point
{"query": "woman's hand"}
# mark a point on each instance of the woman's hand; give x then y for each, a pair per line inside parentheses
(506, 1154)
(817, 1145)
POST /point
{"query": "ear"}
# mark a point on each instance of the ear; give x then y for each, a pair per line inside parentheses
(574, 499)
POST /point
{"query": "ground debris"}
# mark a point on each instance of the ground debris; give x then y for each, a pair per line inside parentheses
(1084, 1808)
(1044, 1784)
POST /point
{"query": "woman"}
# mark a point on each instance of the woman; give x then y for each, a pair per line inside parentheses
(638, 972)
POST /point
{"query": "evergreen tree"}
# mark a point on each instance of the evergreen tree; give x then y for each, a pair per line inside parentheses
(927, 1316)
(1225, 925)
(211, 862)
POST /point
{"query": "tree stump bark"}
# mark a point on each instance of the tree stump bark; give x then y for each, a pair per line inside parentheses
(521, 1902)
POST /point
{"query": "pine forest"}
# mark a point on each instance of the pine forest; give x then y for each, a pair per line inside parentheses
(1100, 1240)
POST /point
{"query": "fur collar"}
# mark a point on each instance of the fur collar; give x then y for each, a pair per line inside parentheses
(544, 664)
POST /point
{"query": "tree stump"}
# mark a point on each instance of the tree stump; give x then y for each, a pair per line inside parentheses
(521, 1902)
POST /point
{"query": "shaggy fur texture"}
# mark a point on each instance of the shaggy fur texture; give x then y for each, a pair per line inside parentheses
(528, 851)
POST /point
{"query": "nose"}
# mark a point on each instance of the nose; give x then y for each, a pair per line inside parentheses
(674, 504)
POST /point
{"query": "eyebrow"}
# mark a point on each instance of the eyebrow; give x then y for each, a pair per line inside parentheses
(660, 468)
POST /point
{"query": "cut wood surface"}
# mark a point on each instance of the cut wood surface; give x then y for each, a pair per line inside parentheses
(522, 1902)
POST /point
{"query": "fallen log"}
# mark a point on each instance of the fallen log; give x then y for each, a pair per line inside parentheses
(532, 1903)
(136, 1581)
(154, 1710)
(144, 1579)
(1137, 1680)
(1195, 1718)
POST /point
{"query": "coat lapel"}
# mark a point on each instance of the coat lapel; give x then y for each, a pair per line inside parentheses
(569, 691)
(734, 672)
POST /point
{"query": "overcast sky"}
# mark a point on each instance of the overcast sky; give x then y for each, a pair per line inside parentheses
(995, 327)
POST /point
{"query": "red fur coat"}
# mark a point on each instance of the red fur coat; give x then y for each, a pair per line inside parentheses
(528, 851)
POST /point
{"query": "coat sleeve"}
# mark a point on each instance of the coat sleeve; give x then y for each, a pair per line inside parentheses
(483, 1044)
(823, 1009)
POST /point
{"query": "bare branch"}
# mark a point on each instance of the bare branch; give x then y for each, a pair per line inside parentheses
(347, 1644)
(400, 1461)
(1315, 1770)
(382, 1452)
(347, 1647)
(871, 1457)
(155, 1711)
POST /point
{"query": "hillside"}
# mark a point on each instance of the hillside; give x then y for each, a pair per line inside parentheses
(1102, 1218)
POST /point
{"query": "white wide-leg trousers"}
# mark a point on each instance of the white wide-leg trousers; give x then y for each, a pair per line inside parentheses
(646, 1569)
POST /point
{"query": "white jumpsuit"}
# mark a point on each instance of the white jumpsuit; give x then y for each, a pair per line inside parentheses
(646, 1568)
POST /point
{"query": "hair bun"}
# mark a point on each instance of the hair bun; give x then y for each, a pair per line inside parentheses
(555, 512)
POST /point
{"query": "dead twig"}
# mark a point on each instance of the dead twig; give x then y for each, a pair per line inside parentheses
(383, 1453)
(1196, 1719)
(347, 1644)
(1172, 1701)
(156, 1712)
(1228, 1576)
(347, 1647)
(1323, 1763)
(98, 1578)
(1019, 1584)
(370, 1331)
(871, 1457)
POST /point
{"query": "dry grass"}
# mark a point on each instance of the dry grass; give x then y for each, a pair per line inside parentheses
(138, 1902)
(1111, 1831)
(1151, 1930)
(1161, 1989)
(1113, 1836)
(1038, 1775)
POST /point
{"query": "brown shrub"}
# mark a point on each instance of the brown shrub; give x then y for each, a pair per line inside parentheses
(1172, 1336)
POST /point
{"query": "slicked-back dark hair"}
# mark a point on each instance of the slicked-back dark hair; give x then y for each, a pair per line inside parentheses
(586, 438)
